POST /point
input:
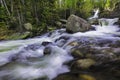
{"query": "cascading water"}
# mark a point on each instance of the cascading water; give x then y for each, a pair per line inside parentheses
(102, 30)
(107, 25)
(25, 59)
(95, 15)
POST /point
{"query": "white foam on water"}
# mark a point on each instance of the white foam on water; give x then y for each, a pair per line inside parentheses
(17, 43)
(102, 30)
(49, 65)
(95, 14)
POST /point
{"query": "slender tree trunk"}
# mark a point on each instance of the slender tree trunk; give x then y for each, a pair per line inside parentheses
(23, 11)
(19, 16)
(34, 6)
(1, 2)
(19, 21)
(5, 5)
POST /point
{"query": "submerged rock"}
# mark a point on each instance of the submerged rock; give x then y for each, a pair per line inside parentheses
(85, 63)
(92, 54)
(47, 50)
(77, 24)
(94, 21)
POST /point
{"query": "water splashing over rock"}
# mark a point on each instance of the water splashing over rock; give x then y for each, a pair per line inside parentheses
(47, 56)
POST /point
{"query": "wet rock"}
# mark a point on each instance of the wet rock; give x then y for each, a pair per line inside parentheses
(73, 43)
(87, 77)
(76, 53)
(94, 21)
(62, 41)
(45, 43)
(33, 47)
(77, 24)
(47, 50)
(63, 37)
(84, 63)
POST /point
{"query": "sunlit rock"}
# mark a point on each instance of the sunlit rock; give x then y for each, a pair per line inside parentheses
(76, 53)
(77, 24)
(28, 26)
(87, 77)
(85, 63)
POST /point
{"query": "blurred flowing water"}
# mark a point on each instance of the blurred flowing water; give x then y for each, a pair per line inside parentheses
(25, 59)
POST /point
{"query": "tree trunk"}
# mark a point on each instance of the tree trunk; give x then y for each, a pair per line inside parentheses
(5, 5)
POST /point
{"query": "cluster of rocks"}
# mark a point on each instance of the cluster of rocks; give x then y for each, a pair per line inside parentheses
(98, 56)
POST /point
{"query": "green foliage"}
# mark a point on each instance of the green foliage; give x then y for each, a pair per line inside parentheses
(83, 8)
(86, 8)
(16, 36)
(2, 14)
(43, 14)
(40, 13)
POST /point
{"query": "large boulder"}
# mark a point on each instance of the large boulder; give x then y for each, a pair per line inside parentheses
(77, 24)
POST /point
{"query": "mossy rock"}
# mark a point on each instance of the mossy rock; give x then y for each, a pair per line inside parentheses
(76, 53)
(19, 36)
(84, 63)
(86, 77)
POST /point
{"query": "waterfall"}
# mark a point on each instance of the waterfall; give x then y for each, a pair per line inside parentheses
(107, 22)
(107, 25)
(95, 14)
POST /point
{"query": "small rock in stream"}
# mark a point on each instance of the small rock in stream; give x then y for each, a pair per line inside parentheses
(47, 50)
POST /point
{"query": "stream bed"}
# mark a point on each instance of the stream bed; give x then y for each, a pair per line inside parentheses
(57, 55)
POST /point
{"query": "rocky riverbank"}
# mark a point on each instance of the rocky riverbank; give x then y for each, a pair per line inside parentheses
(93, 58)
